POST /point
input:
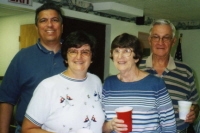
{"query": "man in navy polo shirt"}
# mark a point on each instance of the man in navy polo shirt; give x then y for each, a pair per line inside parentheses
(31, 65)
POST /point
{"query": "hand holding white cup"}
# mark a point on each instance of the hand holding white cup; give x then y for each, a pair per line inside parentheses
(184, 109)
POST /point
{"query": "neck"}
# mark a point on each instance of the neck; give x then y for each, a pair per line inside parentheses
(160, 61)
(74, 75)
(51, 46)
(130, 76)
(160, 64)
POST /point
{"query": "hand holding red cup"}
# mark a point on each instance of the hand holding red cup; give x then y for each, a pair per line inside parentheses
(125, 113)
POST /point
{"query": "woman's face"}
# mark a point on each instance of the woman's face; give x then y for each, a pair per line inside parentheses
(123, 59)
(79, 59)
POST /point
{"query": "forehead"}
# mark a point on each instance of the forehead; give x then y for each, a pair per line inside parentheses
(162, 30)
(85, 46)
(50, 13)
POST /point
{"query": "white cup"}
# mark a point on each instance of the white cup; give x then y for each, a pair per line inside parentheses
(184, 109)
(84, 130)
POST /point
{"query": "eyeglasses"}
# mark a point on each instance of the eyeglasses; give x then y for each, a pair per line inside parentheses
(73, 52)
(126, 52)
(164, 39)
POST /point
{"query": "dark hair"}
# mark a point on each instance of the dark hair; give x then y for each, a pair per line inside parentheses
(76, 40)
(47, 6)
(126, 40)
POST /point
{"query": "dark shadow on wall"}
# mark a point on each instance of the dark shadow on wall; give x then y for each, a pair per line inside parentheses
(98, 31)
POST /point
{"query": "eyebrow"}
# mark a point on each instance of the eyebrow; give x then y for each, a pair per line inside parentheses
(164, 35)
(49, 18)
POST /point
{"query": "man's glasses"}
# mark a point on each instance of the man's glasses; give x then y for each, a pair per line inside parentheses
(74, 52)
(126, 52)
(164, 39)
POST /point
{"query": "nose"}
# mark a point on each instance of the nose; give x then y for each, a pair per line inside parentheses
(120, 55)
(49, 23)
(161, 41)
(78, 56)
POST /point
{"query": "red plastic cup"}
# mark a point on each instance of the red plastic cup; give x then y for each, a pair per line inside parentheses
(125, 113)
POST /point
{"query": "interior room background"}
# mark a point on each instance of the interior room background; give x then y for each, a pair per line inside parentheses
(10, 32)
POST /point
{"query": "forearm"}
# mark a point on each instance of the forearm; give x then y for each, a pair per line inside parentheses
(107, 128)
(35, 130)
(29, 127)
(5, 116)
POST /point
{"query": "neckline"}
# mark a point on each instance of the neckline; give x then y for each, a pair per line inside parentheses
(73, 79)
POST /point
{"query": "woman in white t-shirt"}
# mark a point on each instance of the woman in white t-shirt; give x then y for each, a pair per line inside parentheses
(71, 100)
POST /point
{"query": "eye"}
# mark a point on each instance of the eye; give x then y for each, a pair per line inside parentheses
(127, 50)
(72, 51)
(85, 51)
(42, 20)
(166, 38)
(156, 37)
(55, 19)
(116, 51)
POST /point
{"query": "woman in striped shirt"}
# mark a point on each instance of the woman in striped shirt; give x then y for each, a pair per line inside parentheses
(147, 94)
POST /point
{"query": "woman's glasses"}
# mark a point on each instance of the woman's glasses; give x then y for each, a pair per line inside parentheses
(126, 52)
(74, 52)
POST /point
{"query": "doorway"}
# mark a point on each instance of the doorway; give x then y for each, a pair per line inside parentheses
(95, 29)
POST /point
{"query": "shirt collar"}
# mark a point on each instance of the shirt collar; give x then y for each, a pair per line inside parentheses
(171, 64)
(42, 48)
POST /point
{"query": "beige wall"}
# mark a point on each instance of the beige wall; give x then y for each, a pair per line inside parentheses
(9, 37)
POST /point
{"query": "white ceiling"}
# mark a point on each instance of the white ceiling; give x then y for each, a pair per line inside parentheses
(174, 10)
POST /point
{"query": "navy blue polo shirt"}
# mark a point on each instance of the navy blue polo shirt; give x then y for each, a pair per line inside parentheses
(27, 69)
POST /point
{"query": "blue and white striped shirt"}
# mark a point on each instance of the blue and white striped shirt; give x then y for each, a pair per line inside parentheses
(180, 83)
(152, 108)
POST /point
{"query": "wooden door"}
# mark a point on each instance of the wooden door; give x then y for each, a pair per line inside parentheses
(28, 35)
(143, 37)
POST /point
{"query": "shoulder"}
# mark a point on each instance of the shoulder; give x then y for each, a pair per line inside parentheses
(155, 81)
(183, 69)
(182, 65)
(154, 78)
(51, 81)
(93, 77)
(28, 49)
(111, 78)
(26, 52)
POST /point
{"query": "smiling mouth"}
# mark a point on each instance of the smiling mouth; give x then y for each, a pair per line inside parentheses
(79, 62)
(121, 62)
(50, 31)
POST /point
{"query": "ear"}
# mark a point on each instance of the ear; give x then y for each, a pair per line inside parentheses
(66, 61)
(36, 27)
(173, 41)
(62, 28)
(136, 60)
(149, 40)
(91, 61)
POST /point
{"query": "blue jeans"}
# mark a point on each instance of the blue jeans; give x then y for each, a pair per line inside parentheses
(18, 129)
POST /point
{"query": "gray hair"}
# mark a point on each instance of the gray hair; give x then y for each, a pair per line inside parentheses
(163, 22)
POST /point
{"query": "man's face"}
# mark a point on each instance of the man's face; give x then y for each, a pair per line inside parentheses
(161, 40)
(49, 26)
